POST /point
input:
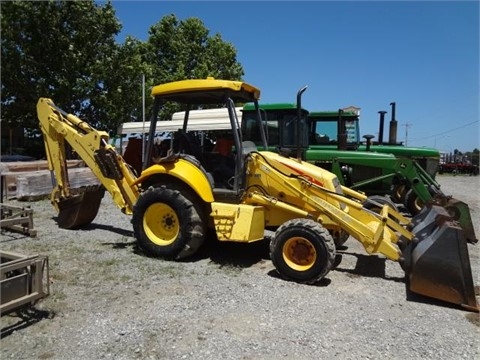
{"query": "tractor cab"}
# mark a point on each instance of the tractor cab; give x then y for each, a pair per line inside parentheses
(223, 163)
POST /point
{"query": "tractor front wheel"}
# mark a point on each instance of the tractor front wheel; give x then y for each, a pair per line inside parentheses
(167, 223)
(302, 251)
(375, 203)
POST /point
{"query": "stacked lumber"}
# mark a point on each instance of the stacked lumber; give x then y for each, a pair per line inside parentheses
(31, 180)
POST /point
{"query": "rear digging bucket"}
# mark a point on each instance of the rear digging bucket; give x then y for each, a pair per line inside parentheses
(80, 209)
(438, 264)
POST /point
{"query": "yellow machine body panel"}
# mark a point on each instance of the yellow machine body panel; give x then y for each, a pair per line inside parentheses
(288, 180)
(184, 170)
(240, 223)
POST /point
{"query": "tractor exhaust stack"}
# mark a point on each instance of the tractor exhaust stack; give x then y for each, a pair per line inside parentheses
(380, 130)
(393, 126)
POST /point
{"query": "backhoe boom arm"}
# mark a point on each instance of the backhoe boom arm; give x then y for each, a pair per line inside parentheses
(92, 147)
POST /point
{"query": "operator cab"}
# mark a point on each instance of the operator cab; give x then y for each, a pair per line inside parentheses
(225, 169)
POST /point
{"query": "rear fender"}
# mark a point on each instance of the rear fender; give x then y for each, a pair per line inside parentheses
(186, 172)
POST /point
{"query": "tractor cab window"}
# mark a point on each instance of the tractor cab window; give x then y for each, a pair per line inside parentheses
(251, 131)
(352, 131)
(289, 130)
(325, 132)
(279, 124)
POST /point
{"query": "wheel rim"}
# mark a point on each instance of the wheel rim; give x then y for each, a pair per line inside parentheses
(161, 224)
(299, 253)
(399, 191)
(417, 204)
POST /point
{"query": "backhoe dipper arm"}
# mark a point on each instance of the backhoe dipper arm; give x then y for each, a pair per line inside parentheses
(92, 147)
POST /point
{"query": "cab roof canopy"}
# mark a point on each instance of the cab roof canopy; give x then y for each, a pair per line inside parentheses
(273, 106)
(205, 91)
(331, 114)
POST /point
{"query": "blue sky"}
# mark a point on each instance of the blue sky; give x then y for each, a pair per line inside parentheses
(422, 55)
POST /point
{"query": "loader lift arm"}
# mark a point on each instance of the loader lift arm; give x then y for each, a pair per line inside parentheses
(431, 248)
(77, 209)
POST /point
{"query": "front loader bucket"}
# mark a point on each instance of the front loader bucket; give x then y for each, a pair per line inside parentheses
(80, 209)
(438, 264)
(460, 212)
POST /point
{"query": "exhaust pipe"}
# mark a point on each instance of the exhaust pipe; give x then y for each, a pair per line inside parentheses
(380, 130)
(393, 126)
(341, 131)
(298, 129)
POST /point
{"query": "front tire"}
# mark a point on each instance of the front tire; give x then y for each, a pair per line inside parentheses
(339, 237)
(302, 251)
(168, 224)
(372, 203)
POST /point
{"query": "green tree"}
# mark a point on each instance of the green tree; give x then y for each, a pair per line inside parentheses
(66, 50)
(179, 50)
(56, 49)
(123, 80)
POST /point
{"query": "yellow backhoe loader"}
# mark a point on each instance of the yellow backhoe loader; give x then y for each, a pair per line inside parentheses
(176, 199)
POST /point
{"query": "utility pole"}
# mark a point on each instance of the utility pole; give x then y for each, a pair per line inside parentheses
(143, 118)
(407, 125)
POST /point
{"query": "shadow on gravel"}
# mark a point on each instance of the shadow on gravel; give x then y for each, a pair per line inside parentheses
(368, 266)
(221, 253)
(414, 297)
(233, 254)
(26, 317)
(110, 228)
(322, 283)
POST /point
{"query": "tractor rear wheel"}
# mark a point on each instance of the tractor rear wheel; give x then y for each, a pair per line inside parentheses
(168, 224)
(302, 251)
(413, 203)
(399, 192)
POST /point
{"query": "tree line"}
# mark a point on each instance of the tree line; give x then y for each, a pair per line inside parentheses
(67, 51)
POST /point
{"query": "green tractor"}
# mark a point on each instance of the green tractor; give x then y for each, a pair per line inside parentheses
(388, 173)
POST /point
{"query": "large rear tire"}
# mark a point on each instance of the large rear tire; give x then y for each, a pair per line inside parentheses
(413, 204)
(168, 224)
(302, 251)
(399, 192)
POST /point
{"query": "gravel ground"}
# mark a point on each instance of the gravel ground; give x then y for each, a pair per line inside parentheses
(109, 301)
